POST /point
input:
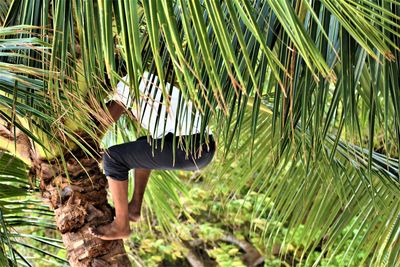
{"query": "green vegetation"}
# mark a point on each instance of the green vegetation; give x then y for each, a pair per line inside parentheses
(213, 230)
(227, 223)
(302, 96)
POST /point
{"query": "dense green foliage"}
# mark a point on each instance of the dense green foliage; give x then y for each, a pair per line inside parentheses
(205, 222)
(302, 96)
(213, 221)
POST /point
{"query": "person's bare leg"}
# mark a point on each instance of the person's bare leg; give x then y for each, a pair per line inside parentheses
(119, 228)
(135, 205)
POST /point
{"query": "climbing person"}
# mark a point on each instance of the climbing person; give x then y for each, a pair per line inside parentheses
(185, 147)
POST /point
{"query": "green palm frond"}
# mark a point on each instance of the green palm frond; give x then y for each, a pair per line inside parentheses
(221, 54)
(4, 8)
(19, 210)
(332, 194)
(327, 70)
(49, 118)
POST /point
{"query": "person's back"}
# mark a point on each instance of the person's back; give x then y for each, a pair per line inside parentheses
(181, 118)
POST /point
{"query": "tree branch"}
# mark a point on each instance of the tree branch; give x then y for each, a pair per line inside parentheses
(252, 257)
(192, 257)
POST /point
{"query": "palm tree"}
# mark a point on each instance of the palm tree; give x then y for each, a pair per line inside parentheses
(314, 82)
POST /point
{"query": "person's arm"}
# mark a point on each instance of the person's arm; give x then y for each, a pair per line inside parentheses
(120, 101)
(111, 114)
(116, 109)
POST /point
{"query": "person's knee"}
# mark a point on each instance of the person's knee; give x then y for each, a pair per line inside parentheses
(108, 160)
(113, 166)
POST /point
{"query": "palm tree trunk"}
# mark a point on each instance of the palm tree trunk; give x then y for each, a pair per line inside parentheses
(79, 202)
(78, 197)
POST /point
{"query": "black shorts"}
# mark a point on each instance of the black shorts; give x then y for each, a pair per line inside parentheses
(147, 154)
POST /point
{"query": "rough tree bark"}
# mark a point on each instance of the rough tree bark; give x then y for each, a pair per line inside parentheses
(79, 202)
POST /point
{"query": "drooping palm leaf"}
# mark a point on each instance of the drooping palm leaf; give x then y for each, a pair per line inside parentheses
(334, 197)
(328, 70)
(19, 209)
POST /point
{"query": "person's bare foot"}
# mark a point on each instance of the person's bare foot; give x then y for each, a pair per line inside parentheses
(111, 231)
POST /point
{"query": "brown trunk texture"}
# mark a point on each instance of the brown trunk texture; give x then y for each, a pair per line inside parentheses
(79, 202)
